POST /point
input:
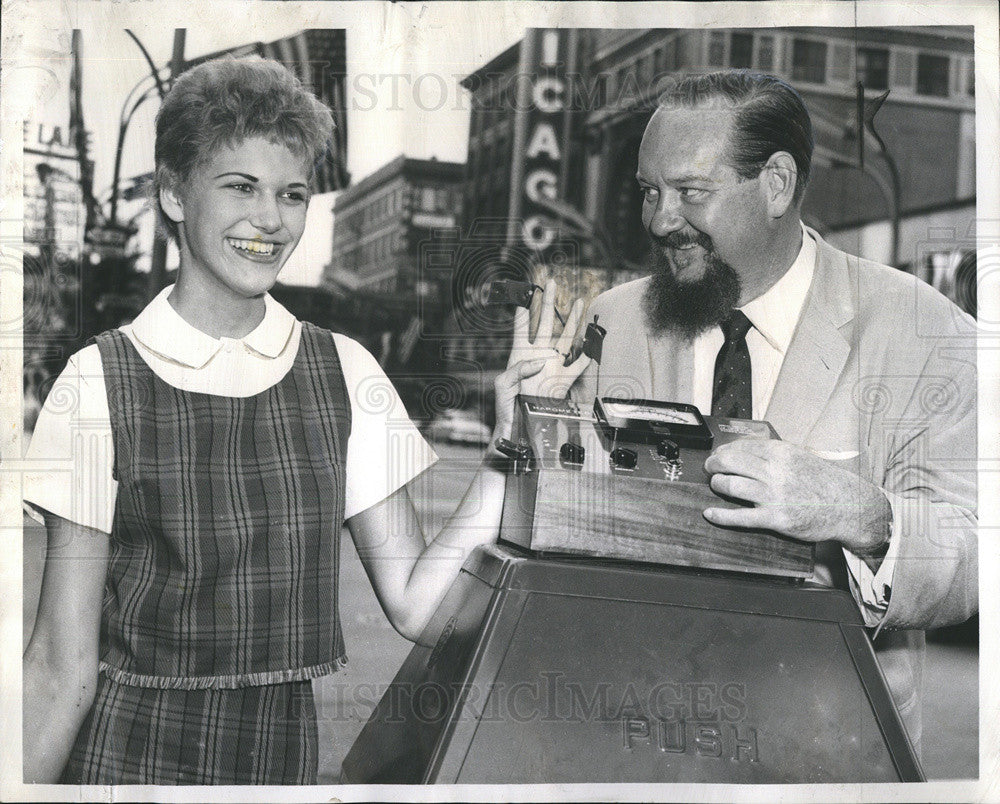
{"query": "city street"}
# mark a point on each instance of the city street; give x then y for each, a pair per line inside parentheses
(345, 699)
(455, 168)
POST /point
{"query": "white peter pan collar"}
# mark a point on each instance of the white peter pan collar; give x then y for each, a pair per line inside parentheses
(161, 330)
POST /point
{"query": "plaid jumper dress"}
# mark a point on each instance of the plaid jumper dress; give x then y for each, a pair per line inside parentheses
(221, 597)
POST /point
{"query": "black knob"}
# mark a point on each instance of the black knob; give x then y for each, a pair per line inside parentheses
(668, 450)
(571, 454)
(624, 458)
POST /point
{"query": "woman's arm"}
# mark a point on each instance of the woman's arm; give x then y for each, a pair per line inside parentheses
(60, 662)
(409, 577)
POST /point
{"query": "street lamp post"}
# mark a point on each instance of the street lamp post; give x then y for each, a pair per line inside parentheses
(896, 213)
(158, 261)
(124, 120)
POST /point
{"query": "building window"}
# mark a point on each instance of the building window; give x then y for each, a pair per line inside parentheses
(610, 85)
(686, 48)
(809, 61)
(765, 53)
(717, 49)
(873, 67)
(970, 79)
(503, 147)
(670, 55)
(932, 75)
(741, 50)
(660, 60)
(623, 81)
(601, 89)
(642, 65)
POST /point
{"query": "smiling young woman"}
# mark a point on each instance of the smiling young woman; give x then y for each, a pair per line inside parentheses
(190, 586)
(239, 216)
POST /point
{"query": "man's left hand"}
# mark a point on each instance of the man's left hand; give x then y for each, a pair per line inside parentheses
(796, 493)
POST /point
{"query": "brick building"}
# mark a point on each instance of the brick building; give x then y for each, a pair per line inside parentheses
(380, 222)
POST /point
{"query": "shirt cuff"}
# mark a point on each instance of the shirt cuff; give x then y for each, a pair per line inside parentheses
(872, 590)
(34, 512)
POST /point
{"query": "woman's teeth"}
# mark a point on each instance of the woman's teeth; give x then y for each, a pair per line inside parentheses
(252, 246)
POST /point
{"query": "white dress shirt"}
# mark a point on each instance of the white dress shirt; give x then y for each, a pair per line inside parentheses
(72, 447)
(774, 316)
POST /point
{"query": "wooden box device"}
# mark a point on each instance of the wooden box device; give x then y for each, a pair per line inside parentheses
(580, 490)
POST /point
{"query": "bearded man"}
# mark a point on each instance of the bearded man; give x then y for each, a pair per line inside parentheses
(867, 374)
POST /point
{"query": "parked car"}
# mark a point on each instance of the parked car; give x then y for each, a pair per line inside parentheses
(459, 427)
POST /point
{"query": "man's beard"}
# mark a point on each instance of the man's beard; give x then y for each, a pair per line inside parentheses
(688, 308)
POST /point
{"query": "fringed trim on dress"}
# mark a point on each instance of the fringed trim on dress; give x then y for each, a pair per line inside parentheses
(223, 682)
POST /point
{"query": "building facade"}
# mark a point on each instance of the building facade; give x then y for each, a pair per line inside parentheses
(911, 205)
(52, 257)
(487, 179)
(923, 182)
(380, 223)
(385, 288)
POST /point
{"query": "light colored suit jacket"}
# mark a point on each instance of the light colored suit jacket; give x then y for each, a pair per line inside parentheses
(881, 370)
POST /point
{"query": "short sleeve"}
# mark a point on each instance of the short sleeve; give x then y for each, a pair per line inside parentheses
(70, 458)
(385, 450)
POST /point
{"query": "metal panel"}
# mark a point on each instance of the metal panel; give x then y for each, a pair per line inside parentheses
(584, 671)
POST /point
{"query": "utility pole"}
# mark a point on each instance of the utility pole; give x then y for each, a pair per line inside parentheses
(158, 262)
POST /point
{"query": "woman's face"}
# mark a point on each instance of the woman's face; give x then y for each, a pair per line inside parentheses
(241, 214)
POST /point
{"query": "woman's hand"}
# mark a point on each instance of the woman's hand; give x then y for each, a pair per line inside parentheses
(554, 378)
(508, 385)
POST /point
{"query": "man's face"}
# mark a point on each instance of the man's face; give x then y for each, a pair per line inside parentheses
(707, 225)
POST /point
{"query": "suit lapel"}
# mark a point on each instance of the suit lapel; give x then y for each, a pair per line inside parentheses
(819, 348)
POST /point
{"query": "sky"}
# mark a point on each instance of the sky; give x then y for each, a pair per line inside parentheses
(402, 90)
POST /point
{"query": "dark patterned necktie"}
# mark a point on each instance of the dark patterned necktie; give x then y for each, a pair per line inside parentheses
(731, 391)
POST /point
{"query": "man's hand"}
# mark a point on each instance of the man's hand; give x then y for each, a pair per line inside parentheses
(554, 379)
(798, 494)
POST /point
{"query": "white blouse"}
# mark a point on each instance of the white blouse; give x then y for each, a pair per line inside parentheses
(72, 450)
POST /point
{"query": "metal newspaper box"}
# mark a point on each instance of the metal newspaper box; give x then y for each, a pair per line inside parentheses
(671, 654)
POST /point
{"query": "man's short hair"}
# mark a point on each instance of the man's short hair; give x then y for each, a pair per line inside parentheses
(226, 101)
(769, 116)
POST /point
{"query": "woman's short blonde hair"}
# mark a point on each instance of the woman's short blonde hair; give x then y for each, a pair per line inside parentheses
(225, 101)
